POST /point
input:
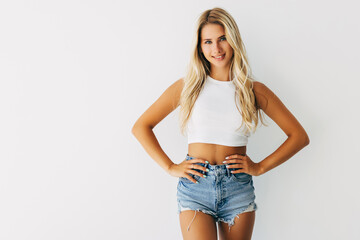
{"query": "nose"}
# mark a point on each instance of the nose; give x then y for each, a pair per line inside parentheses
(216, 48)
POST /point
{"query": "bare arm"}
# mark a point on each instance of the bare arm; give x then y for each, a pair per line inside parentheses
(276, 110)
(142, 128)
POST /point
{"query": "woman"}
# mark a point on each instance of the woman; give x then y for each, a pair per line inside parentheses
(219, 102)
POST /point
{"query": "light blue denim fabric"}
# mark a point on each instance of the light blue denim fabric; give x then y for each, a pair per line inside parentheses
(221, 194)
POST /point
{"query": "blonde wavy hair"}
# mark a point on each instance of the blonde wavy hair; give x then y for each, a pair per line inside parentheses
(199, 68)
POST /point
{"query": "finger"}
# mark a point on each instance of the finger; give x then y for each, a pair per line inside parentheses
(195, 166)
(194, 172)
(234, 165)
(190, 166)
(190, 178)
(235, 156)
(241, 170)
(198, 160)
(197, 173)
(193, 180)
(234, 160)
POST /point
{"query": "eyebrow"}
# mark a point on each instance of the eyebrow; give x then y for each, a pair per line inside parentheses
(210, 39)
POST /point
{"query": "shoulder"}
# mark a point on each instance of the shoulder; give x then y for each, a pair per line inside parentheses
(165, 104)
(262, 94)
(179, 84)
(176, 88)
(259, 87)
(174, 91)
(278, 112)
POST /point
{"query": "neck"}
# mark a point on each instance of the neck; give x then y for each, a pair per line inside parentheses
(222, 74)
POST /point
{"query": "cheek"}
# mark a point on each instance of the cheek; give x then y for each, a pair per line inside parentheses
(229, 48)
(206, 53)
(204, 49)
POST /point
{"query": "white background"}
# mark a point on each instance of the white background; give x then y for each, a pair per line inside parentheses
(75, 76)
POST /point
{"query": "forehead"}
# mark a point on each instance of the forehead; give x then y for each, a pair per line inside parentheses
(212, 31)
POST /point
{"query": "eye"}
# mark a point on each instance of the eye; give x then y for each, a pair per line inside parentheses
(223, 38)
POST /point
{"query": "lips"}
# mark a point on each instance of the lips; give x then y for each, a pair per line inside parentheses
(219, 57)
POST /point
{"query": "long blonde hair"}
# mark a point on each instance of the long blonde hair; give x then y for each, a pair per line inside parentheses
(198, 69)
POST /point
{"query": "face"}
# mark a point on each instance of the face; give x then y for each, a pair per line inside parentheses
(214, 45)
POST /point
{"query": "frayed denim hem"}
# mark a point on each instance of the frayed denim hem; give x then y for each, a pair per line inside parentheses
(251, 207)
(196, 210)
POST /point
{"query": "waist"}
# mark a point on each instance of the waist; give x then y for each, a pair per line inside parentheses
(214, 153)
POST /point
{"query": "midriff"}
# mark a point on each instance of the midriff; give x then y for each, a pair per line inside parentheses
(213, 153)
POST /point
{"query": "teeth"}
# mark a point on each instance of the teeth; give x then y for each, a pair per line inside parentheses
(220, 56)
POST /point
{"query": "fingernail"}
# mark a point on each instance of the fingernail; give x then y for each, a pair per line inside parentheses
(227, 158)
(197, 182)
(207, 161)
(207, 170)
(204, 175)
(224, 161)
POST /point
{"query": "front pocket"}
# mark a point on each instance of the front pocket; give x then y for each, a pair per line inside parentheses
(186, 180)
(241, 177)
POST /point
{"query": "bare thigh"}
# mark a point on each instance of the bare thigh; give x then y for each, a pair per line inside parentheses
(241, 230)
(203, 226)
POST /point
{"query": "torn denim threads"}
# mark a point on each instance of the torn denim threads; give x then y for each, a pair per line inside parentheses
(221, 194)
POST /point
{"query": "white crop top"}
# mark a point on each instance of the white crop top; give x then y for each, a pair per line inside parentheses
(215, 118)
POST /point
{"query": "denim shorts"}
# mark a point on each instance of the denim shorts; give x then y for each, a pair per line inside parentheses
(221, 194)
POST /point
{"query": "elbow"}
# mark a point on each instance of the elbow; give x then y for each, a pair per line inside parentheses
(134, 129)
(307, 140)
(302, 138)
(137, 127)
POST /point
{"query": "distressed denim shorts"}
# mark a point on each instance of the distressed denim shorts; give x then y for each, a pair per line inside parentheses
(221, 194)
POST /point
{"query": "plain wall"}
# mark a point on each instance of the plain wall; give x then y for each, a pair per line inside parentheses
(76, 75)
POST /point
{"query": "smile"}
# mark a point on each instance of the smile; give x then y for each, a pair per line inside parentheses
(220, 57)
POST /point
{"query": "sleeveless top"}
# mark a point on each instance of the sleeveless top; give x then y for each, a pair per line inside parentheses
(215, 118)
